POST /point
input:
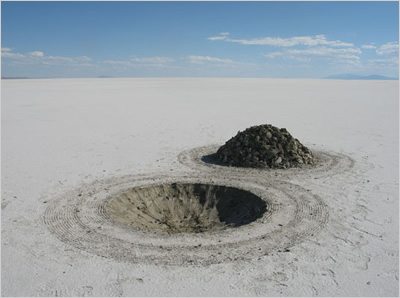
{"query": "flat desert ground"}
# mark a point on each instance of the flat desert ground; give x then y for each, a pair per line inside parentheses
(69, 145)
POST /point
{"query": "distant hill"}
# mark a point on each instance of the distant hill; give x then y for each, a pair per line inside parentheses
(346, 76)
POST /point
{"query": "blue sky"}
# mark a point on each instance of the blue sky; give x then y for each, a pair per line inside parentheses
(199, 39)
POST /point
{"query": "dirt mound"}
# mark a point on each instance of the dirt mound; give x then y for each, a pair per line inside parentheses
(264, 146)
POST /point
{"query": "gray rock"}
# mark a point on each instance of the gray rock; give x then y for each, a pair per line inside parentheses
(264, 146)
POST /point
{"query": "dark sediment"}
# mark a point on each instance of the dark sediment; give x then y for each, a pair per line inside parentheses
(264, 146)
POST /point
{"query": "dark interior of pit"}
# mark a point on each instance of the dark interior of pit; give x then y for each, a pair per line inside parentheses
(184, 207)
(262, 146)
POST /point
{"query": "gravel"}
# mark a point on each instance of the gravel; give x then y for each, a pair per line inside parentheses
(264, 146)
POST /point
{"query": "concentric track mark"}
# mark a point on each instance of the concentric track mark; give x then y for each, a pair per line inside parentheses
(328, 164)
(78, 218)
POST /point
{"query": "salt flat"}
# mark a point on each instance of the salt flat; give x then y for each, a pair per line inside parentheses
(62, 137)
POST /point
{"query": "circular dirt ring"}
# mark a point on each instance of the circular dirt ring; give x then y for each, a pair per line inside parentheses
(327, 164)
(82, 218)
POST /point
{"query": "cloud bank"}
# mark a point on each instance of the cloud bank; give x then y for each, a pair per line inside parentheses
(285, 42)
(38, 57)
(204, 59)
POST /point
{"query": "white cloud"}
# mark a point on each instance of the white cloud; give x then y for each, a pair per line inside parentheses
(368, 47)
(303, 59)
(389, 62)
(6, 53)
(58, 59)
(36, 54)
(157, 60)
(344, 55)
(287, 42)
(61, 60)
(11, 55)
(149, 62)
(216, 37)
(67, 61)
(273, 54)
(83, 58)
(222, 36)
(324, 51)
(388, 49)
(38, 57)
(203, 59)
(118, 62)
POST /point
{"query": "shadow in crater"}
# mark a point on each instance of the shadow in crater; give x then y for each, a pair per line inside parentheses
(185, 207)
(238, 207)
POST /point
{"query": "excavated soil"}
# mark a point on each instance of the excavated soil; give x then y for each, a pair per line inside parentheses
(200, 214)
(84, 218)
(178, 207)
(264, 146)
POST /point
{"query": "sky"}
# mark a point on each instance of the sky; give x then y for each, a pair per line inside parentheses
(199, 39)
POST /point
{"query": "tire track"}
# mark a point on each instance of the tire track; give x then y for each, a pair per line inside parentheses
(79, 218)
(328, 164)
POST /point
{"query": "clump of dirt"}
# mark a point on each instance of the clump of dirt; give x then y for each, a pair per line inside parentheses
(264, 146)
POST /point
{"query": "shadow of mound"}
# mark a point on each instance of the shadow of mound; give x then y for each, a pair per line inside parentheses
(212, 159)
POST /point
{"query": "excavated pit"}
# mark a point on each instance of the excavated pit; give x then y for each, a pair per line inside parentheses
(185, 207)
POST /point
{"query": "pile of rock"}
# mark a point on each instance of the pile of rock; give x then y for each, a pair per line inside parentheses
(264, 146)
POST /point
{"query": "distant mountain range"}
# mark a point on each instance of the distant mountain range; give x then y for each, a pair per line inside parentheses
(347, 76)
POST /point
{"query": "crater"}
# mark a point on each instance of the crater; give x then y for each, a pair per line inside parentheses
(185, 207)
